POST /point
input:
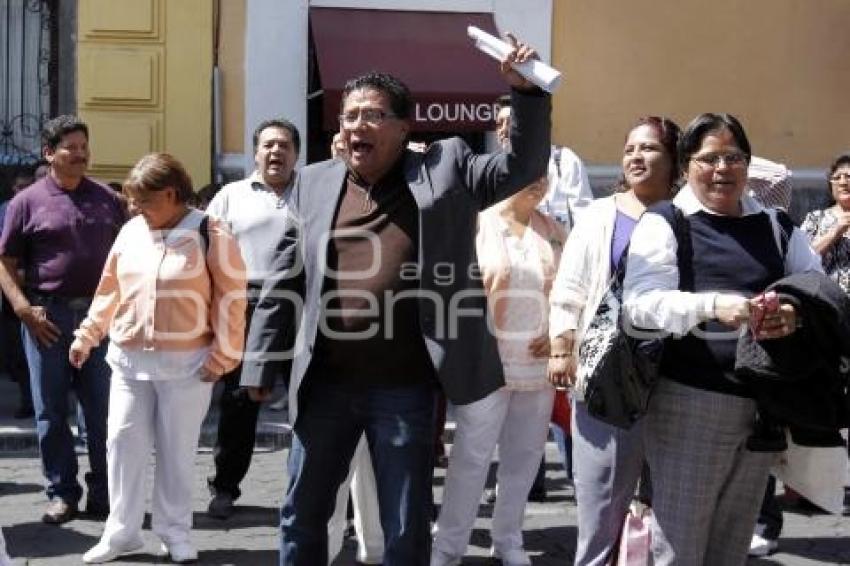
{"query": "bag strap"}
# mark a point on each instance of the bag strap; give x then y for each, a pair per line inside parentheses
(786, 226)
(204, 229)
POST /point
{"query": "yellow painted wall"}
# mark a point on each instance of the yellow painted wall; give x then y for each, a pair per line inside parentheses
(144, 69)
(781, 66)
(231, 62)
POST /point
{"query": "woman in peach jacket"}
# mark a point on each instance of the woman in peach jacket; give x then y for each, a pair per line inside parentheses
(172, 299)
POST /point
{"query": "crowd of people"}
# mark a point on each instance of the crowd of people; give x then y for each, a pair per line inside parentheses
(385, 278)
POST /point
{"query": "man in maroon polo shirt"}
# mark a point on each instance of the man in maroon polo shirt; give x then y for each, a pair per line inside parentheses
(59, 232)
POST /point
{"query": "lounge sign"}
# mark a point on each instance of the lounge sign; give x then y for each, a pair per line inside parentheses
(447, 115)
(432, 114)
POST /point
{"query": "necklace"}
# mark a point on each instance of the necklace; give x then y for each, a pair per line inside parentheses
(367, 199)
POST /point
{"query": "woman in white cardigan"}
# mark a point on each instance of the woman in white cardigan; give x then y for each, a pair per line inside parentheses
(607, 459)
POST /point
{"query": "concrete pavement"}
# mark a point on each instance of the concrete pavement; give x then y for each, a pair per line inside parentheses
(250, 537)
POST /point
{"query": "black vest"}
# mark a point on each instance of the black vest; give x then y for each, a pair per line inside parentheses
(729, 254)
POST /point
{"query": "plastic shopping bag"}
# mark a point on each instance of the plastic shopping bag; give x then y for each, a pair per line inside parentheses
(635, 538)
(561, 410)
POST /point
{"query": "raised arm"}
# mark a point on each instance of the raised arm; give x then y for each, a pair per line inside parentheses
(493, 177)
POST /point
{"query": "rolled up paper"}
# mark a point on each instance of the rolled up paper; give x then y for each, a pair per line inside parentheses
(535, 71)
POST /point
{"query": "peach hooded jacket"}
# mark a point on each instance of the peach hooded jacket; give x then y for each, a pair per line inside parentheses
(158, 292)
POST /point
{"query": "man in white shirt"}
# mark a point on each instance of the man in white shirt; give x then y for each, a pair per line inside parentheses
(256, 210)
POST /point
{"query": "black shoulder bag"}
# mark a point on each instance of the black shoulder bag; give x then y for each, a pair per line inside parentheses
(620, 362)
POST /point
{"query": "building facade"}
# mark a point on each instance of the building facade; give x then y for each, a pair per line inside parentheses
(194, 77)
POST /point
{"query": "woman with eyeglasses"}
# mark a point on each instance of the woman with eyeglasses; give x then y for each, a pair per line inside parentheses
(607, 460)
(171, 299)
(707, 486)
(827, 228)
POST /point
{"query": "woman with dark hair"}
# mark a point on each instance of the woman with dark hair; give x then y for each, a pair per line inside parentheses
(706, 484)
(607, 459)
(827, 227)
(172, 299)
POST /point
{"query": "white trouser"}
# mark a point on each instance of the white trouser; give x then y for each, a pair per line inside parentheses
(519, 422)
(167, 414)
(367, 520)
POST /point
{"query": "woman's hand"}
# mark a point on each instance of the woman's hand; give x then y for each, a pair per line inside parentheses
(779, 323)
(731, 310)
(79, 353)
(209, 376)
(824, 242)
(842, 224)
(562, 370)
(520, 53)
(562, 367)
(539, 347)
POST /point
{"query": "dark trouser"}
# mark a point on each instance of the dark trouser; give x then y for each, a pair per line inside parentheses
(539, 485)
(52, 378)
(15, 359)
(770, 514)
(237, 429)
(564, 440)
(399, 427)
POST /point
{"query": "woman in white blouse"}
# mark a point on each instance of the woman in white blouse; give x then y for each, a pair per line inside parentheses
(607, 459)
(518, 251)
(707, 485)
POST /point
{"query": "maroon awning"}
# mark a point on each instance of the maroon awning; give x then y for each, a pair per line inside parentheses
(453, 84)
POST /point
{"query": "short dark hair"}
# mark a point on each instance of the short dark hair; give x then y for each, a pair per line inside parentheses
(281, 123)
(704, 124)
(157, 171)
(669, 135)
(54, 130)
(840, 160)
(503, 101)
(401, 101)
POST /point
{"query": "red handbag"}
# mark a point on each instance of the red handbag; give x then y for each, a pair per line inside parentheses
(561, 410)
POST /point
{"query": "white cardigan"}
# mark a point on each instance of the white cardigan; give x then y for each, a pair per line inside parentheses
(584, 274)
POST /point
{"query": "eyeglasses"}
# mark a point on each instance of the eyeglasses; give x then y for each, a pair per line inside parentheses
(838, 177)
(371, 116)
(731, 159)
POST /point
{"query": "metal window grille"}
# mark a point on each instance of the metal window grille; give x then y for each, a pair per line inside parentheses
(27, 91)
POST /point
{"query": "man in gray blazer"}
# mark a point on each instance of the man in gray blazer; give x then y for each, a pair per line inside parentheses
(379, 271)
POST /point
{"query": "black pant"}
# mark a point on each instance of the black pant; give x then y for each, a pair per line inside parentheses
(237, 427)
(237, 430)
(539, 485)
(770, 514)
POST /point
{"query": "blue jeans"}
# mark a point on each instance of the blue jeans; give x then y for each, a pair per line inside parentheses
(52, 378)
(565, 446)
(399, 428)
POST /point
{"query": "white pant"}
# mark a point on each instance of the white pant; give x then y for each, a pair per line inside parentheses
(367, 520)
(166, 414)
(519, 422)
